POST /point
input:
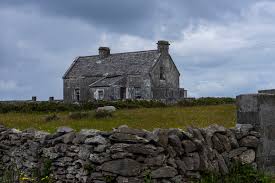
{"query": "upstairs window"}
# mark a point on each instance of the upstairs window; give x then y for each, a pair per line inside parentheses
(77, 94)
(161, 73)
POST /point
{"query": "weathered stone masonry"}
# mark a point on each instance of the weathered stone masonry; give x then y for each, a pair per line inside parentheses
(259, 110)
(148, 75)
(128, 155)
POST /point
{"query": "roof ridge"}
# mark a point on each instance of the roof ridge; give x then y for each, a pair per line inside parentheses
(122, 53)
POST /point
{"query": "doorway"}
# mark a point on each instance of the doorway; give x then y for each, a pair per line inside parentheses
(122, 93)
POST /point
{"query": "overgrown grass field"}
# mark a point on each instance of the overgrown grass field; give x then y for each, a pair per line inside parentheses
(142, 118)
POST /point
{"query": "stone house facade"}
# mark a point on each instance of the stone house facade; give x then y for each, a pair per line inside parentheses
(145, 75)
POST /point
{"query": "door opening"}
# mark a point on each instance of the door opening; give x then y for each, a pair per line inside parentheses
(122, 93)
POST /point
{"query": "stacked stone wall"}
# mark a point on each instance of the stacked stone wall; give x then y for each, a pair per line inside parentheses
(126, 154)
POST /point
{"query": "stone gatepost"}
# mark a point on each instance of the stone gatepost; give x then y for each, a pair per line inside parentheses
(259, 110)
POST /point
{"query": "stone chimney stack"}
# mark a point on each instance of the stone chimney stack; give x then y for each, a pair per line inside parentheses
(163, 46)
(34, 98)
(103, 52)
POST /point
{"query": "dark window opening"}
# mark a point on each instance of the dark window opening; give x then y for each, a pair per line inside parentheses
(77, 94)
(137, 92)
(161, 74)
(122, 93)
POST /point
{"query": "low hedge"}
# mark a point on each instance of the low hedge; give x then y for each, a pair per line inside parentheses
(129, 104)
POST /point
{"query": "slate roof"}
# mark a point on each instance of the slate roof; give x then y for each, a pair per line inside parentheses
(115, 64)
(106, 81)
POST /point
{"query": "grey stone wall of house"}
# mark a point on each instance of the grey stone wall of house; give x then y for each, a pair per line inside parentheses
(71, 84)
(259, 111)
(109, 93)
(168, 86)
(125, 154)
(141, 83)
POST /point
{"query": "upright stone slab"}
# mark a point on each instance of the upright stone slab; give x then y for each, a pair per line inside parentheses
(259, 110)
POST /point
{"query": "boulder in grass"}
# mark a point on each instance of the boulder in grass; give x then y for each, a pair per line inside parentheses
(108, 109)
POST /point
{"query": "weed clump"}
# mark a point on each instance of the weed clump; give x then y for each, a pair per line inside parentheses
(103, 114)
(78, 115)
(238, 173)
(51, 117)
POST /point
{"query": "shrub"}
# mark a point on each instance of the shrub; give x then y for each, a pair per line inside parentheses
(51, 117)
(78, 115)
(119, 104)
(206, 101)
(103, 114)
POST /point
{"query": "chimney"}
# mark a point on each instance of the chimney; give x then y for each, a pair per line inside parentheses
(51, 99)
(34, 98)
(103, 52)
(163, 46)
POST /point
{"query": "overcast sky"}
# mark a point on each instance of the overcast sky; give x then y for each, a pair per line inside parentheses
(221, 47)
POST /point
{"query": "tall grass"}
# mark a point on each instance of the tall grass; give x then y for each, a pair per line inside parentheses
(238, 173)
(141, 118)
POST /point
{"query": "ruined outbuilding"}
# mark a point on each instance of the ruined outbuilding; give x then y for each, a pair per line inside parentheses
(146, 75)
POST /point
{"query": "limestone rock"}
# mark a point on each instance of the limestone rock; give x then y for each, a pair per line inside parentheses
(181, 166)
(248, 156)
(189, 146)
(155, 161)
(162, 135)
(222, 165)
(142, 149)
(237, 152)
(225, 141)
(123, 167)
(164, 172)
(217, 144)
(175, 142)
(129, 180)
(109, 109)
(96, 140)
(121, 137)
(64, 129)
(212, 129)
(249, 141)
(99, 158)
(127, 130)
(69, 137)
(89, 132)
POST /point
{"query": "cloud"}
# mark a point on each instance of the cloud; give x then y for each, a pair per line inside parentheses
(229, 59)
(221, 48)
(8, 85)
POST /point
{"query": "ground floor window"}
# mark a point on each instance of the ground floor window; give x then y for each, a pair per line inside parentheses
(77, 94)
(137, 92)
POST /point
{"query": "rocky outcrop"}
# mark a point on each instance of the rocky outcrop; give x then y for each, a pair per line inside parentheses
(127, 155)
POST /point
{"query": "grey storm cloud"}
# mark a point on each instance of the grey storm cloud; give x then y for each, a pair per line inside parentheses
(222, 48)
(140, 17)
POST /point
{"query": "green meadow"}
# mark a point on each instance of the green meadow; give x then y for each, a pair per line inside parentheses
(142, 118)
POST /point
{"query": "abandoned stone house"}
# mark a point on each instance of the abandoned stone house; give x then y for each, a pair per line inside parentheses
(147, 75)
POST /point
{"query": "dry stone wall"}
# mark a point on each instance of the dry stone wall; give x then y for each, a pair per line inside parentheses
(126, 154)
